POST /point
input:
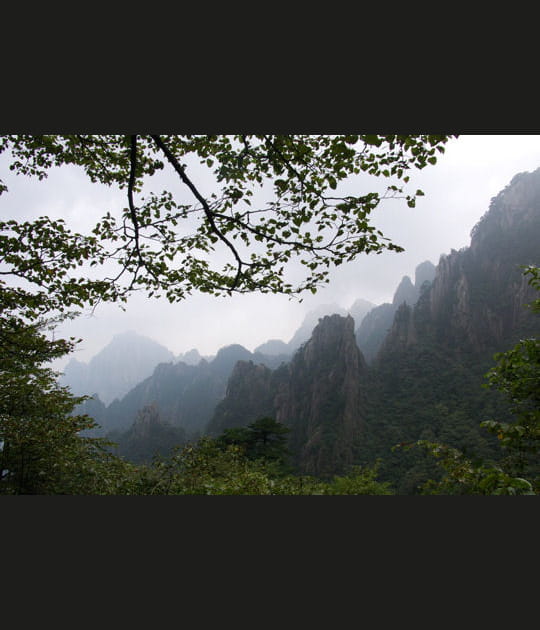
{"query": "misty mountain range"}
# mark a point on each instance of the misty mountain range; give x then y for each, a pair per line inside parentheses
(130, 357)
(349, 384)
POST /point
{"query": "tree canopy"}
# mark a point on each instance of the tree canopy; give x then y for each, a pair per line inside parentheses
(250, 205)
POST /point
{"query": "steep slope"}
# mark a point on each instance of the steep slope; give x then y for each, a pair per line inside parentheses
(310, 321)
(426, 381)
(323, 399)
(148, 436)
(372, 330)
(249, 396)
(319, 395)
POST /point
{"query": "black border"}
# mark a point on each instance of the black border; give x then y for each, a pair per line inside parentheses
(388, 539)
(93, 94)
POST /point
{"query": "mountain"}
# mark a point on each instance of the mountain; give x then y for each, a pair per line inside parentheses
(322, 398)
(273, 347)
(431, 348)
(310, 321)
(319, 395)
(374, 327)
(147, 437)
(192, 357)
(424, 272)
(183, 395)
(426, 382)
(125, 361)
(277, 347)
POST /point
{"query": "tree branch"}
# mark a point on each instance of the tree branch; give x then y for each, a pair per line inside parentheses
(131, 185)
(207, 211)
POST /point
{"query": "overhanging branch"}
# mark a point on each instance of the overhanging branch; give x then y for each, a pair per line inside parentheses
(207, 210)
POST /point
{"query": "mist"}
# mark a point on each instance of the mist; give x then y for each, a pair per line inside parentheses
(458, 191)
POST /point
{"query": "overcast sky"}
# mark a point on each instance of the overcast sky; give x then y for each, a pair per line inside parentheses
(458, 190)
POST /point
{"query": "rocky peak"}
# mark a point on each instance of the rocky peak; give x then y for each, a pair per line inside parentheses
(227, 357)
(192, 357)
(322, 399)
(516, 205)
(319, 395)
(310, 321)
(331, 338)
(424, 272)
(248, 397)
(406, 292)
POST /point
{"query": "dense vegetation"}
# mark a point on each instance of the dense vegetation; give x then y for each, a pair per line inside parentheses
(44, 275)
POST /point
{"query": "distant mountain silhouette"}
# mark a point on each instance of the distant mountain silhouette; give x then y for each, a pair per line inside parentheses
(125, 361)
(374, 327)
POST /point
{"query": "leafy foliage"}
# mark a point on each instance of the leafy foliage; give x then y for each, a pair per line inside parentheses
(42, 451)
(211, 467)
(263, 439)
(517, 375)
(359, 480)
(168, 248)
(466, 477)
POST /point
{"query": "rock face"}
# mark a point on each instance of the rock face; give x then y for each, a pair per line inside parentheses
(319, 395)
(406, 292)
(248, 397)
(479, 294)
(322, 400)
(427, 378)
(309, 323)
(377, 323)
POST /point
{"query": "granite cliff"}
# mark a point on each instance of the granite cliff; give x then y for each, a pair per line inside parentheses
(319, 396)
(374, 327)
